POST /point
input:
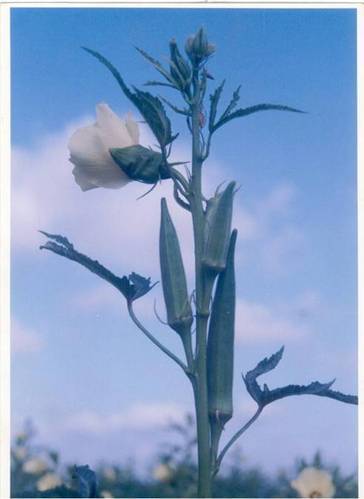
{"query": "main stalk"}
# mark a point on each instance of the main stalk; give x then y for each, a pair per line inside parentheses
(202, 304)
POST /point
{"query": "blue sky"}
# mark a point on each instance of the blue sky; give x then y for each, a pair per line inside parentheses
(93, 386)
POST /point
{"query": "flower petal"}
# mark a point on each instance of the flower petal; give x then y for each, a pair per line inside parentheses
(89, 176)
(86, 143)
(133, 128)
(112, 129)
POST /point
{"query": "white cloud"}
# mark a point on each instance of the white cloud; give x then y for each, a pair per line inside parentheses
(138, 417)
(256, 322)
(24, 339)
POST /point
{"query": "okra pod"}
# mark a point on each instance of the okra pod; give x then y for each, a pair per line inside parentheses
(220, 346)
(179, 312)
(218, 218)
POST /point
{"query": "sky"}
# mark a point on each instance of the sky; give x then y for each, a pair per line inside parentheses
(94, 387)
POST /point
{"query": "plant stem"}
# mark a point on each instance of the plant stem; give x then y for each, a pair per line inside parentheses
(200, 383)
(235, 437)
(154, 340)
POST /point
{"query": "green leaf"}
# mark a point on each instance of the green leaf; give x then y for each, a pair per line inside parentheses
(214, 100)
(254, 109)
(267, 396)
(158, 66)
(232, 104)
(184, 112)
(154, 83)
(154, 113)
(131, 287)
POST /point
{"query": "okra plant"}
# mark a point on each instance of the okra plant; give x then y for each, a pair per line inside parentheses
(108, 154)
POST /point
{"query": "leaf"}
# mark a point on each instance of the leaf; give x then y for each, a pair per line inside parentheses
(141, 285)
(264, 366)
(254, 109)
(184, 112)
(214, 100)
(158, 66)
(314, 388)
(150, 107)
(84, 481)
(266, 396)
(154, 83)
(131, 287)
(154, 113)
(232, 104)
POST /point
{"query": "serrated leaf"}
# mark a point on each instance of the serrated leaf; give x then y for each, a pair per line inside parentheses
(267, 396)
(267, 364)
(254, 109)
(233, 103)
(131, 287)
(154, 83)
(214, 100)
(59, 239)
(158, 66)
(184, 112)
(314, 388)
(141, 285)
(155, 115)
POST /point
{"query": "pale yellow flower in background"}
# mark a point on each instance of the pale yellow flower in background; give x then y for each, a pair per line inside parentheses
(313, 482)
(35, 465)
(20, 453)
(162, 472)
(48, 481)
(89, 149)
(106, 493)
(110, 474)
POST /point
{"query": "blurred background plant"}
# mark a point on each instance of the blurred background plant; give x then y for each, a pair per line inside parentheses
(37, 471)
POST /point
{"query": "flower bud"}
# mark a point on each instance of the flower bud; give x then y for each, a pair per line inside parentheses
(198, 48)
(140, 163)
(220, 347)
(217, 229)
(180, 69)
(179, 312)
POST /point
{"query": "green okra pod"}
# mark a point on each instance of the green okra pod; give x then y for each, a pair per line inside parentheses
(219, 212)
(220, 346)
(179, 312)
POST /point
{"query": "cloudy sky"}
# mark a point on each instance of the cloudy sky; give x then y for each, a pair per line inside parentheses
(93, 386)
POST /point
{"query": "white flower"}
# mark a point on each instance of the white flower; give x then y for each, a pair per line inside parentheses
(89, 147)
(48, 481)
(35, 465)
(312, 482)
(162, 472)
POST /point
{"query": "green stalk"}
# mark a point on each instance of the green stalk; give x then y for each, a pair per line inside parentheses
(202, 301)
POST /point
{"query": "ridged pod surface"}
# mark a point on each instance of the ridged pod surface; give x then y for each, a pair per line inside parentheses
(179, 312)
(218, 227)
(220, 346)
